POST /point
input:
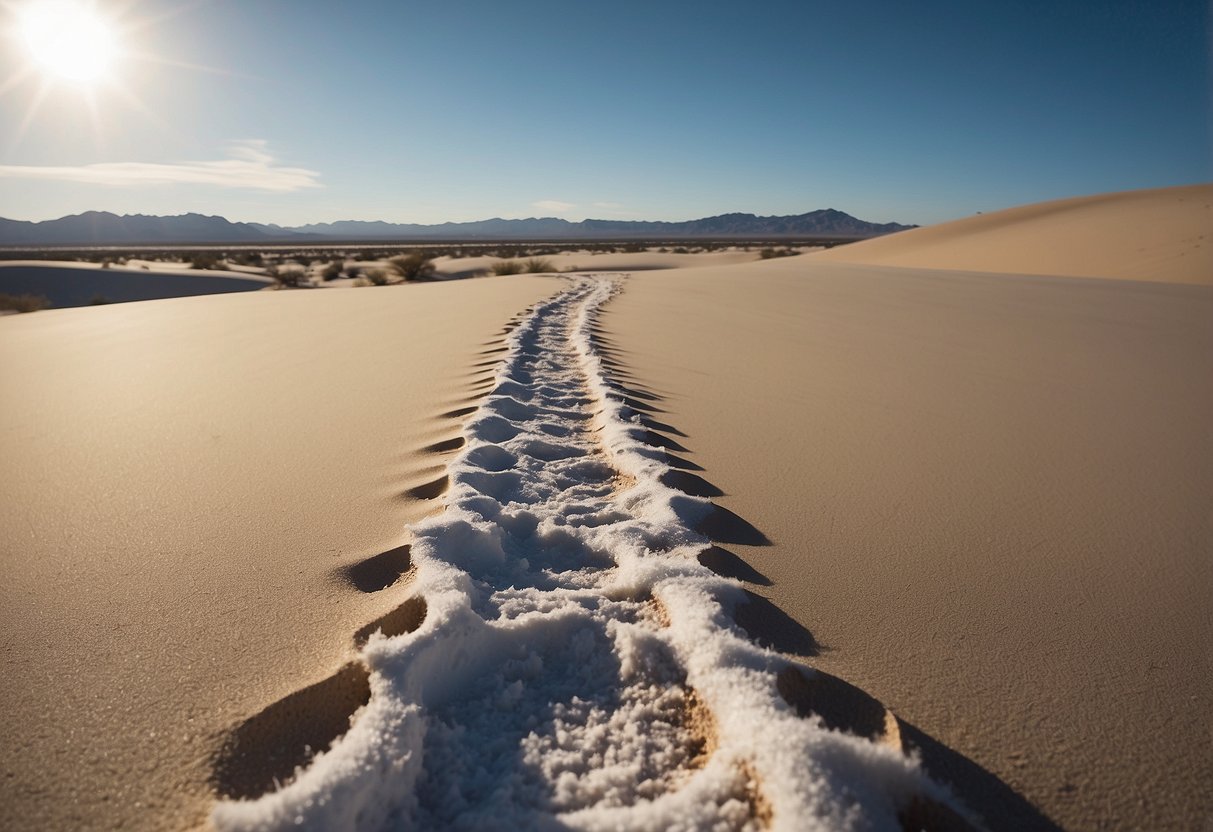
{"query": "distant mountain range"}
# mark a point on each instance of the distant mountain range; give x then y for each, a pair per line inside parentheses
(101, 228)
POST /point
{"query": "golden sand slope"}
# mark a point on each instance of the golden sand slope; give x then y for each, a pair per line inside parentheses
(1163, 235)
(988, 498)
(194, 495)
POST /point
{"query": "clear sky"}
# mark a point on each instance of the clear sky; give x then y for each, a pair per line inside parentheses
(295, 111)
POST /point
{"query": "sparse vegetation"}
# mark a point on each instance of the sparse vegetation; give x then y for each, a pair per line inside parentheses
(538, 265)
(248, 258)
(507, 267)
(376, 277)
(415, 266)
(333, 270)
(23, 303)
(290, 277)
(769, 253)
(204, 260)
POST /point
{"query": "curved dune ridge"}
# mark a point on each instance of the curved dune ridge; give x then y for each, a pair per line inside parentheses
(1162, 235)
(67, 284)
(565, 660)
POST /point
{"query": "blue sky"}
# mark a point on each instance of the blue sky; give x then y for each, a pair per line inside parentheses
(293, 111)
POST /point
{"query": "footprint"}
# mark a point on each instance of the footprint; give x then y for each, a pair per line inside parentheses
(840, 705)
(493, 429)
(723, 526)
(689, 483)
(492, 458)
(510, 408)
(769, 626)
(445, 445)
(550, 451)
(430, 490)
(378, 572)
(728, 565)
(266, 749)
(404, 619)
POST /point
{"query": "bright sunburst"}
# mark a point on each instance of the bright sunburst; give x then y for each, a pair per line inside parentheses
(69, 41)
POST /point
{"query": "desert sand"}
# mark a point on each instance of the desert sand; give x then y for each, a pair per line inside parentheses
(979, 498)
(602, 261)
(1163, 235)
(185, 482)
(986, 501)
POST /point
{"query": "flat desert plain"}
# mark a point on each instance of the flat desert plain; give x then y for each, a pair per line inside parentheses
(974, 487)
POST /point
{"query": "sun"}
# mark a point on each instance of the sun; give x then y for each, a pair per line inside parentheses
(69, 41)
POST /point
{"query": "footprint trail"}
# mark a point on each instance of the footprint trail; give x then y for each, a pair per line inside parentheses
(567, 662)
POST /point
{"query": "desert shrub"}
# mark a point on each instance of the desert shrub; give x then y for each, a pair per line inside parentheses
(290, 277)
(362, 280)
(376, 277)
(333, 270)
(538, 265)
(23, 303)
(415, 266)
(99, 300)
(768, 253)
(204, 260)
(507, 267)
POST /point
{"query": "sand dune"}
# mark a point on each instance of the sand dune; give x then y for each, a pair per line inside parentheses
(83, 284)
(979, 499)
(1163, 235)
(987, 503)
(203, 501)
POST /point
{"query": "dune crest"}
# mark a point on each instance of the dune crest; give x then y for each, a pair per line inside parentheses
(1163, 235)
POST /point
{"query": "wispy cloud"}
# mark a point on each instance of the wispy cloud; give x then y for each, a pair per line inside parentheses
(249, 166)
(553, 205)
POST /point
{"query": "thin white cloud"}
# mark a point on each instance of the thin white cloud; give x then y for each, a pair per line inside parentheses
(249, 167)
(553, 205)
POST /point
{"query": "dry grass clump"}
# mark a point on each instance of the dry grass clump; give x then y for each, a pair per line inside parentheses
(333, 270)
(290, 277)
(507, 267)
(415, 266)
(538, 265)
